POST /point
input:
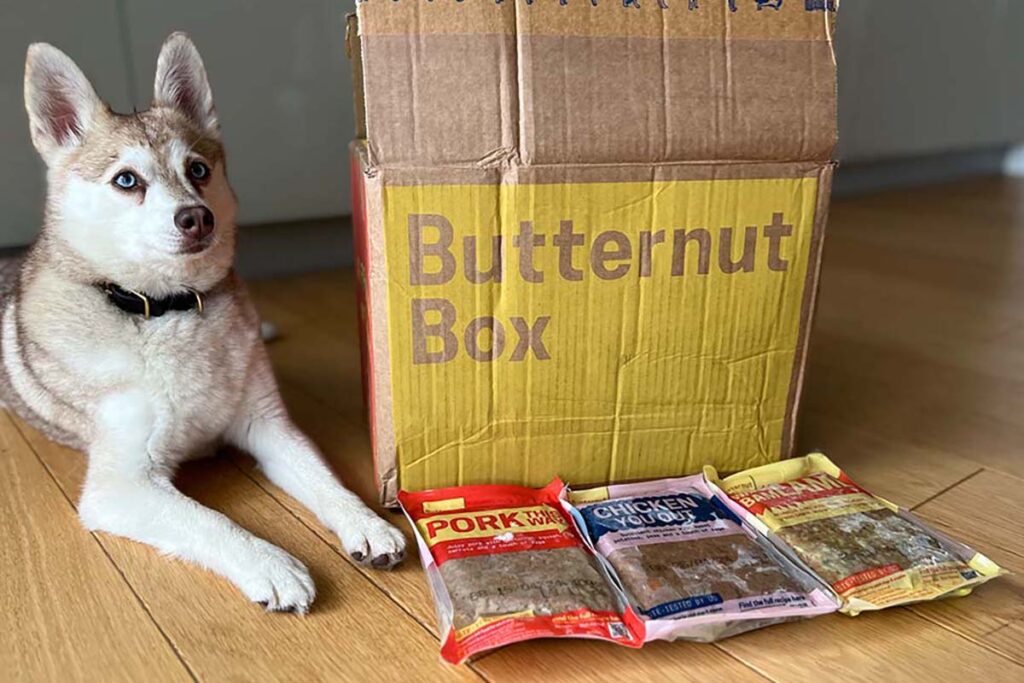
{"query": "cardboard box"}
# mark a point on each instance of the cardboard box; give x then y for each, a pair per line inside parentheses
(588, 233)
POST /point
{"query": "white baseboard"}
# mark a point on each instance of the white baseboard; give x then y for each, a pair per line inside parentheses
(1013, 162)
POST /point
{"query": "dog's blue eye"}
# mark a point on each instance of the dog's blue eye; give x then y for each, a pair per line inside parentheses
(126, 180)
(198, 170)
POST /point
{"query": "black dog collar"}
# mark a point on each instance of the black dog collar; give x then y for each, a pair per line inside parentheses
(136, 303)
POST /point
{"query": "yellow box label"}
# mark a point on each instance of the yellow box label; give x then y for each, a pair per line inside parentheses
(594, 331)
(446, 505)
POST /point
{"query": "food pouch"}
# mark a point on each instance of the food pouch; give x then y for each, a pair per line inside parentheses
(505, 564)
(872, 553)
(688, 565)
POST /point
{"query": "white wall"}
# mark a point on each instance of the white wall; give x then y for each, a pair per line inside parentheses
(916, 77)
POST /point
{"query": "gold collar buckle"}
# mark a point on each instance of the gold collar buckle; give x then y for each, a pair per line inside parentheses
(143, 298)
(199, 301)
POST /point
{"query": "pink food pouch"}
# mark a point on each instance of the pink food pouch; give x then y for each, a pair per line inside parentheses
(688, 566)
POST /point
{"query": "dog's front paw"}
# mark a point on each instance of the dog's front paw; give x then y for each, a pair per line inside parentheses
(276, 580)
(371, 541)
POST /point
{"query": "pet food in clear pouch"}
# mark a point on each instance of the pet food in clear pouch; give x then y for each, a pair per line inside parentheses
(687, 564)
(505, 564)
(872, 553)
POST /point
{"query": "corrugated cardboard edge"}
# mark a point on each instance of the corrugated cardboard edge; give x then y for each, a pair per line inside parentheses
(378, 350)
(547, 174)
(383, 419)
(374, 263)
(354, 51)
(814, 258)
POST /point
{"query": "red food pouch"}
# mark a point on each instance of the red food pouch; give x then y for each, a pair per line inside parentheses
(505, 564)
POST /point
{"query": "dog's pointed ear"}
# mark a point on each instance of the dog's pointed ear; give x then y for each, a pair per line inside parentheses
(60, 101)
(181, 83)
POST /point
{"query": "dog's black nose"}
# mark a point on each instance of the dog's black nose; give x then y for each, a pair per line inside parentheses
(194, 222)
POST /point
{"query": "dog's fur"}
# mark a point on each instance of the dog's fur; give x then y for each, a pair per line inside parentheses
(141, 396)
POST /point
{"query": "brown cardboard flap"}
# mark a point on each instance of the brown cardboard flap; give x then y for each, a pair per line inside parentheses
(589, 173)
(487, 84)
(739, 19)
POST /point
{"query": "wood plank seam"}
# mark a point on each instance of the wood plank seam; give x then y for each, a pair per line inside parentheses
(355, 424)
(979, 640)
(995, 469)
(968, 638)
(257, 622)
(103, 549)
(756, 670)
(1009, 551)
(948, 488)
(311, 395)
(366, 573)
(174, 646)
(912, 612)
(1004, 549)
(962, 474)
(1008, 624)
(326, 539)
(321, 534)
(740, 660)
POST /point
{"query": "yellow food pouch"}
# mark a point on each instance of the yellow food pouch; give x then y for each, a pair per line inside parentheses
(872, 553)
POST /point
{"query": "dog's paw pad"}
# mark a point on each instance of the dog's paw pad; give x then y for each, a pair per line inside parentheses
(370, 541)
(277, 581)
(388, 560)
(289, 609)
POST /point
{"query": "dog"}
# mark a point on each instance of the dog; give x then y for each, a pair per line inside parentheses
(126, 333)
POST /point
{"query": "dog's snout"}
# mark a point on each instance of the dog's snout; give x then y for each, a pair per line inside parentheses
(194, 222)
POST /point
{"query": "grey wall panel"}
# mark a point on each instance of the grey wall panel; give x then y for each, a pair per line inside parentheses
(283, 92)
(89, 32)
(916, 77)
(929, 76)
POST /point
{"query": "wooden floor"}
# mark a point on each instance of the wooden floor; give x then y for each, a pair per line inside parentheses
(916, 387)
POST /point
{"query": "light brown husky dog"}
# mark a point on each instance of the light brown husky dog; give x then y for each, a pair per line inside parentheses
(126, 333)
